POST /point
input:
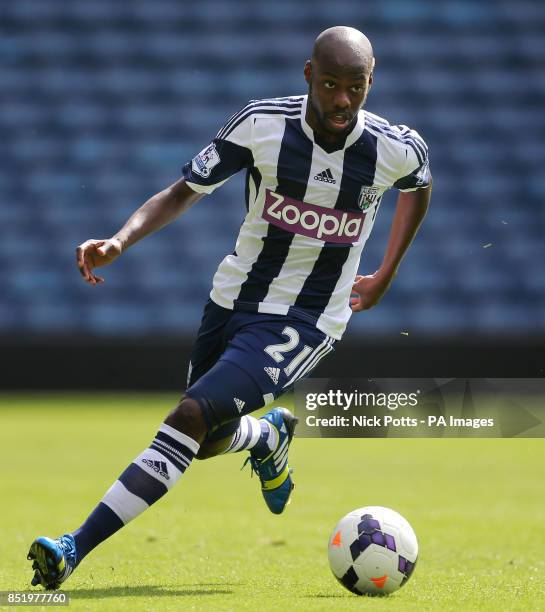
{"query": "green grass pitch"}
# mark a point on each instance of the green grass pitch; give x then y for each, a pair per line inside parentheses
(477, 507)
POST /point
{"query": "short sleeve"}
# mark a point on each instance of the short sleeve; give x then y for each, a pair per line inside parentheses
(228, 153)
(416, 170)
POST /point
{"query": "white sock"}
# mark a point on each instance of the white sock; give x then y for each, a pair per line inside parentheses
(252, 433)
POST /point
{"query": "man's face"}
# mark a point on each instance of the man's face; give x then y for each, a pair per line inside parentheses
(336, 94)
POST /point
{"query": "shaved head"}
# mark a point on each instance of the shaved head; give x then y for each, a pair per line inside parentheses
(339, 76)
(345, 48)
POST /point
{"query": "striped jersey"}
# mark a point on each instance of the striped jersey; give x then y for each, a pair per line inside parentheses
(310, 206)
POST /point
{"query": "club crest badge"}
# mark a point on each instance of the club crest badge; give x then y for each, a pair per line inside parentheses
(205, 161)
(368, 196)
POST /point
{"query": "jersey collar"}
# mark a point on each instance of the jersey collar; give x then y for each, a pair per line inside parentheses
(356, 132)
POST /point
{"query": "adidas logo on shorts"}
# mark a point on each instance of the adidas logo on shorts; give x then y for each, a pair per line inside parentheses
(239, 403)
(325, 176)
(273, 373)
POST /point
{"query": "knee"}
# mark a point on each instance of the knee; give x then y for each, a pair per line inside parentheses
(188, 418)
(205, 452)
(213, 448)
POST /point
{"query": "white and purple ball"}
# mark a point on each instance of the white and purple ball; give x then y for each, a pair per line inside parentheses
(373, 551)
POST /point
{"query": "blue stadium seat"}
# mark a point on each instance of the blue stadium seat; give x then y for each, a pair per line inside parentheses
(104, 102)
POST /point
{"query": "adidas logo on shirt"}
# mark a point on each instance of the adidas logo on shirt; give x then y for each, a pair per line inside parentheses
(273, 373)
(157, 466)
(325, 176)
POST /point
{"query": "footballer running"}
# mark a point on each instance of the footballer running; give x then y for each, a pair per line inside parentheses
(317, 166)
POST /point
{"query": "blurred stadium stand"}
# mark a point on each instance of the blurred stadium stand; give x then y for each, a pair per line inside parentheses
(103, 102)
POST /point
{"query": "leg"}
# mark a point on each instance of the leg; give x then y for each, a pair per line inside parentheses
(152, 474)
(246, 433)
(246, 377)
(148, 477)
(217, 443)
(228, 390)
(187, 418)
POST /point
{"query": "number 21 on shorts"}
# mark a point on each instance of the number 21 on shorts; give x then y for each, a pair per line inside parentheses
(276, 351)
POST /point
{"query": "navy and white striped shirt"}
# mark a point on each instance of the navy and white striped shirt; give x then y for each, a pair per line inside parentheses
(310, 208)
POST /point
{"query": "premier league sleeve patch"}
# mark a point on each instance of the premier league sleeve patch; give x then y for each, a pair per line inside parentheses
(205, 161)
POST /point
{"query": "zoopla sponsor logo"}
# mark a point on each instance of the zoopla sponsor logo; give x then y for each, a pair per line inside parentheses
(327, 224)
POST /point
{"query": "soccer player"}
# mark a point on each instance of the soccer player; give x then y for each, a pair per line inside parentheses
(317, 166)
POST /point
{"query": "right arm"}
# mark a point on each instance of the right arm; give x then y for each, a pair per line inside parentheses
(158, 211)
(228, 153)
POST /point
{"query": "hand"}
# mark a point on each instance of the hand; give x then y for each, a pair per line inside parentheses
(95, 253)
(369, 290)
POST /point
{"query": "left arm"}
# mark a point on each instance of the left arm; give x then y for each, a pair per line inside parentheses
(410, 211)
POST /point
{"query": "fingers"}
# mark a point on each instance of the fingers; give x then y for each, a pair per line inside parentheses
(82, 264)
(92, 278)
(85, 262)
(355, 304)
(359, 282)
(79, 261)
(101, 248)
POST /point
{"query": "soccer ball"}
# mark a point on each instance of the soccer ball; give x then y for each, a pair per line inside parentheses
(372, 551)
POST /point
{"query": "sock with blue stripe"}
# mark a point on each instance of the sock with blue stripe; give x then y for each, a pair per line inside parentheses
(256, 434)
(152, 474)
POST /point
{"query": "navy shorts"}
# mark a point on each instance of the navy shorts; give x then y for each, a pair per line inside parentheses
(241, 361)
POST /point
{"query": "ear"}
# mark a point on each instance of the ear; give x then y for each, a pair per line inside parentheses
(371, 75)
(308, 71)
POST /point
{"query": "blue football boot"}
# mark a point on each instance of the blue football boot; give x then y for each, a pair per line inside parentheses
(54, 560)
(273, 470)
